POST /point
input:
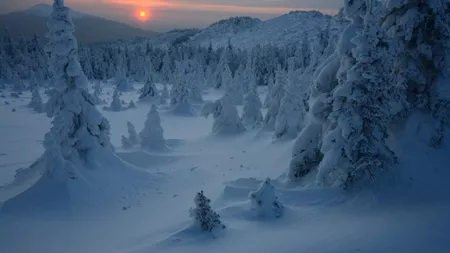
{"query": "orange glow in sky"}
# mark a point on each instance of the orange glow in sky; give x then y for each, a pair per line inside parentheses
(142, 15)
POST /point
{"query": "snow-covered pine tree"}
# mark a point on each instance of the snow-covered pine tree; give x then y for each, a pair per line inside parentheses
(116, 104)
(152, 135)
(149, 92)
(132, 134)
(36, 101)
(355, 147)
(18, 85)
(68, 144)
(221, 70)
(251, 113)
(97, 92)
(126, 144)
(179, 94)
(204, 217)
(121, 81)
(307, 152)
(132, 105)
(420, 30)
(165, 92)
(291, 114)
(33, 82)
(226, 117)
(273, 99)
(264, 202)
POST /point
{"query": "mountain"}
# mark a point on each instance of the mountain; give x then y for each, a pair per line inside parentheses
(246, 32)
(89, 29)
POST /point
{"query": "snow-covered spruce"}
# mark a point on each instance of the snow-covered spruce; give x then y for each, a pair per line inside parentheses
(149, 92)
(421, 67)
(132, 134)
(179, 99)
(251, 113)
(355, 149)
(36, 101)
(165, 92)
(152, 135)
(67, 144)
(126, 144)
(204, 217)
(132, 105)
(291, 113)
(116, 104)
(273, 100)
(97, 92)
(264, 202)
(308, 152)
(226, 118)
(121, 81)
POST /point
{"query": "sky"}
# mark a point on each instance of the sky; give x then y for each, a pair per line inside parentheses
(161, 15)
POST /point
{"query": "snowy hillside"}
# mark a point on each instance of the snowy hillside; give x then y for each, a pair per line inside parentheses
(224, 30)
(246, 32)
(284, 30)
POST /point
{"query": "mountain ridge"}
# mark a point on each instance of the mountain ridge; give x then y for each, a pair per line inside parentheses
(89, 28)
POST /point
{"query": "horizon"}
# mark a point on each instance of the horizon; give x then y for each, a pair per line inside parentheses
(162, 16)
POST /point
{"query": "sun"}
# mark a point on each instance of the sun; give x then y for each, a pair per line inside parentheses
(142, 15)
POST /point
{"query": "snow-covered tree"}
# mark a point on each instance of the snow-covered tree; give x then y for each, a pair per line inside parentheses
(308, 152)
(77, 127)
(291, 113)
(274, 98)
(251, 114)
(96, 94)
(116, 104)
(132, 105)
(126, 144)
(165, 92)
(354, 145)
(132, 134)
(36, 101)
(149, 92)
(204, 217)
(18, 85)
(264, 202)
(121, 81)
(179, 94)
(152, 135)
(420, 30)
(226, 117)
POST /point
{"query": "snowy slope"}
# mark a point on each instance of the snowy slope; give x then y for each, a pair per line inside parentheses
(246, 32)
(405, 212)
(284, 30)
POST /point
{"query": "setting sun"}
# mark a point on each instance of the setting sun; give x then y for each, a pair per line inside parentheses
(142, 15)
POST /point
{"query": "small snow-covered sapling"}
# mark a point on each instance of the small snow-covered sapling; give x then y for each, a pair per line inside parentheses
(204, 216)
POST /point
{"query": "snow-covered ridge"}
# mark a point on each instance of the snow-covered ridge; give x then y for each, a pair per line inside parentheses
(247, 32)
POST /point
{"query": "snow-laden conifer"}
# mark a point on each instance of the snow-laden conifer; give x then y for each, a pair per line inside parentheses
(149, 92)
(77, 127)
(36, 101)
(264, 202)
(132, 134)
(226, 117)
(251, 113)
(204, 217)
(152, 135)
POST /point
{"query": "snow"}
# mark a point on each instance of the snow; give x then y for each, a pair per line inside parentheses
(409, 213)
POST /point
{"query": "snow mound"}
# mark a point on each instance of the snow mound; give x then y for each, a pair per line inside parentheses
(111, 182)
